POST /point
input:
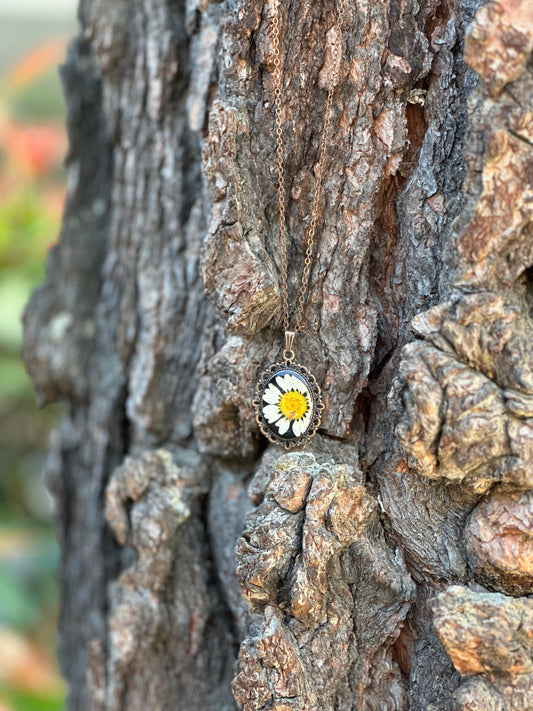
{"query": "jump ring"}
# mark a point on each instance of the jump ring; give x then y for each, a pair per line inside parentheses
(288, 356)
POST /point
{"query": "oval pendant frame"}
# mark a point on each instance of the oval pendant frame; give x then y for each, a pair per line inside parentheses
(315, 392)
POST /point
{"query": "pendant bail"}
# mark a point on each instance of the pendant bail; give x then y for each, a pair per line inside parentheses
(288, 353)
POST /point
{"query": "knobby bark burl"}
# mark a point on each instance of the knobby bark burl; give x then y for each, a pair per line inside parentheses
(388, 564)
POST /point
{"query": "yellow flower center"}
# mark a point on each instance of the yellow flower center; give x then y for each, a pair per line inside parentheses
(293, 405)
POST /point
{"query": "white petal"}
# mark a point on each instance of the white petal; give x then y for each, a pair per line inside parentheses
(283, 425)
(298, 385)
(272, 413)
(271, 394)
(284, 382)
(306, 419)
(298, 427)
(289, 381)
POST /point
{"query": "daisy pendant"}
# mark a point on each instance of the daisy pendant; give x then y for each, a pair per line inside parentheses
(288, 404)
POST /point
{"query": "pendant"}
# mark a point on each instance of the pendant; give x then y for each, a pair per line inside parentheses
(288, 402)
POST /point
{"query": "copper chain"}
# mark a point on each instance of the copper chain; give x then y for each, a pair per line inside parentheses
(311, 228)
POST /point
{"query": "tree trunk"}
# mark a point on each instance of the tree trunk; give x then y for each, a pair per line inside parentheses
(386, 564)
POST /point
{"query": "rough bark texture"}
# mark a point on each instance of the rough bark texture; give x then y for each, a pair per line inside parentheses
(386, 566)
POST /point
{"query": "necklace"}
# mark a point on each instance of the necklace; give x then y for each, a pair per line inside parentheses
(288, 402)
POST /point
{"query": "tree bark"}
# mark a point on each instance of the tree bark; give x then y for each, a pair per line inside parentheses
(387, 564)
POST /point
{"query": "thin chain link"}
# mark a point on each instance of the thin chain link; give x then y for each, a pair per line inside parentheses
(311, 228)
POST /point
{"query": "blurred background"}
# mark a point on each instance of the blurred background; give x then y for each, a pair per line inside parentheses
(33, 39)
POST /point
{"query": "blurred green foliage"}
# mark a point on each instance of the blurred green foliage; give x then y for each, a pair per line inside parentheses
(32, 147)
(27, 585)
(26, 701)
(43, 104)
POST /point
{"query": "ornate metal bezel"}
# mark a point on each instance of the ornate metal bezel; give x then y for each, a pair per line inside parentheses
(314, 390)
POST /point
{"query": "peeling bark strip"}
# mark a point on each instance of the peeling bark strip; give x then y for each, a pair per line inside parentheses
(393, 556)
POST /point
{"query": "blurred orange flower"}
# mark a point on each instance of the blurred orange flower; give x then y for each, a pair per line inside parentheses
(37, 148)
(39, 61)
(25, 665)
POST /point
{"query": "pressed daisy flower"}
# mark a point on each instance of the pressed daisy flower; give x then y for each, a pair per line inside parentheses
(288, 404)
